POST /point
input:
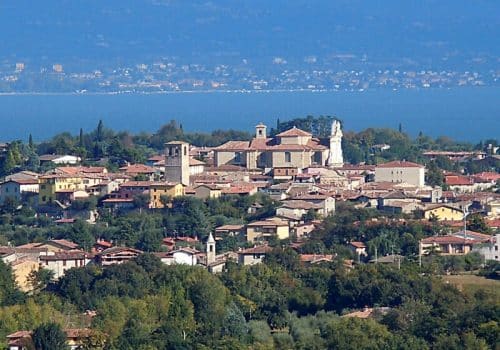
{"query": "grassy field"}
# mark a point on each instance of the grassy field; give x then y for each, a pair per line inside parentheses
(472, 283)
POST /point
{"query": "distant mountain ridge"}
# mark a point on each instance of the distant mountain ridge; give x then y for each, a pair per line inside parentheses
(457, 33)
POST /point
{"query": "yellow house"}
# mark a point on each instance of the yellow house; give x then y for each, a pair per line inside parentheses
(266, 229)
(51, 185)
(443, 212)
(159, 189)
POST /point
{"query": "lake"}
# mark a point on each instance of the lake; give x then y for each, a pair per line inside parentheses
(468, 114)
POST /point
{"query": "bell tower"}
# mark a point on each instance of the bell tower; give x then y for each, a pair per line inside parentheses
(177, 162)
(335, 158)
(210, 249)
(261, 131)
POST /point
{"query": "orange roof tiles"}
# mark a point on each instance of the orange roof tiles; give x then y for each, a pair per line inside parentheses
(293, 132)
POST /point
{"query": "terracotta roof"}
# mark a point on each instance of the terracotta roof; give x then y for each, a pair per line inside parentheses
(358, 244)
(156, 158)
(138, 169)
(315, 258)
(82, 169)
(70, 255)
(262, 249)
(458, 180)
(400, 164)
(137, 184)
(64, 242)
(24, 181)
(448, 239)
(268, 222)
(114, 250)
(194, 162)
(233, 146)
(293, 132)
(103, 243)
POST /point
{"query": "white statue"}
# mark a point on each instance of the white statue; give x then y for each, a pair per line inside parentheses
(335, 158)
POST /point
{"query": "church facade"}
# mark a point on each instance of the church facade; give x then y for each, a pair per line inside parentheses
(293, 148)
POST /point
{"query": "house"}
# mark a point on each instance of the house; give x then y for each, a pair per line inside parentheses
(285, 173)
(117, 255)
(17, 188)
(101, 245)
(134, 170)
(60, 262)
(490, 249)
(118, 204)
(252, 256)
(322, 205)
(442, 212)
(293, 148)
(207, 191)
(401, 172)
(229, 230)
(21, 340)
(313, 259)
(304, 229)
(59, 187)
(358, 248)
(269, 228)
(456, 243)
(493, 208)
(59, 159)
(54, 246)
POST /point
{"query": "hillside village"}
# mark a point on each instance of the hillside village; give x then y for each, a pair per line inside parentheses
(240, 201)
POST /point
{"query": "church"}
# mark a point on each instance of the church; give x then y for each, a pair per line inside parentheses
(293, 148)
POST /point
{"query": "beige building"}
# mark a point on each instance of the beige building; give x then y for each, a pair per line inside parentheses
(443, 212)
(293, 148)
(252, 256)
(401, 172)
(265, 229)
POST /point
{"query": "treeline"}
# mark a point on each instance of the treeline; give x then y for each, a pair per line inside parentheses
(281, 304)
(119, 147)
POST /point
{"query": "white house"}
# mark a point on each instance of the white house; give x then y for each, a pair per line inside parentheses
(60, 262)
(401, 172)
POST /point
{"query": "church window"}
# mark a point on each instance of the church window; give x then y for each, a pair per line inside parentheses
(288, 157)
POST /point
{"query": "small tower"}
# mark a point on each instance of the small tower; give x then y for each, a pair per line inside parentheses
(210, 249)
(336, 159)
(261, 131)
(177, 162)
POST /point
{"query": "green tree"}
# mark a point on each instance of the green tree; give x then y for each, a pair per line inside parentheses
(49, 336)
(39, 279)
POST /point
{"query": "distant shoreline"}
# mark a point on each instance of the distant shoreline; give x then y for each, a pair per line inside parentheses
(111, 93)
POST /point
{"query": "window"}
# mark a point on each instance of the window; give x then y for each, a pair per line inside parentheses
(185, 150)
(64, 262)
(288, 157)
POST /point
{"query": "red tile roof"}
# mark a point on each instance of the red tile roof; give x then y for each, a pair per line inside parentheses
(293, 132)
(358, 244)
(138, 169)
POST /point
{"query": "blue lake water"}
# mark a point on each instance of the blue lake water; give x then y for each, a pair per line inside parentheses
(468, 114)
